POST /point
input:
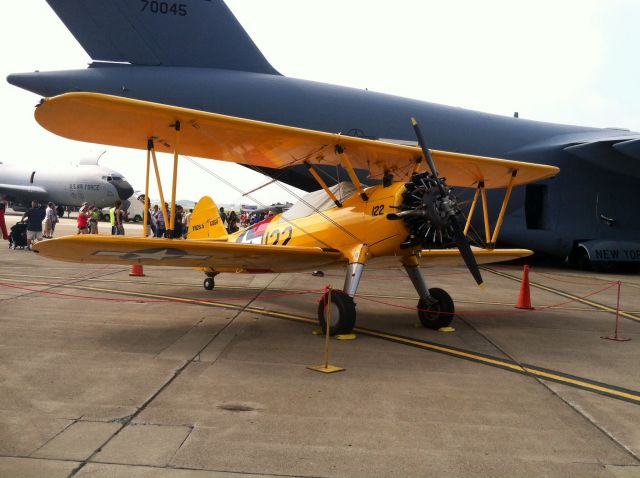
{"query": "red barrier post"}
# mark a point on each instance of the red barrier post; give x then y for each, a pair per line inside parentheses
(615, 335)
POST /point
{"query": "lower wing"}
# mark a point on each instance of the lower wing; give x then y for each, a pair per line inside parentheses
(219, 256)
(452, 257)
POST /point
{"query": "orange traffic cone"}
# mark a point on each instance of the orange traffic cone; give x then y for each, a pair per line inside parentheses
(524, 301)
(136, 270)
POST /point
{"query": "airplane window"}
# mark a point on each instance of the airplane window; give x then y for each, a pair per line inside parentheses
(117, 178)
(109, 178)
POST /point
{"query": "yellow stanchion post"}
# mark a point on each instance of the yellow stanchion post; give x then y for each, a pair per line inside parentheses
(326, 368)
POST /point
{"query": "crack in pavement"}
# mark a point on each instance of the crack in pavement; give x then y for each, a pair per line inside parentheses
(128, 419)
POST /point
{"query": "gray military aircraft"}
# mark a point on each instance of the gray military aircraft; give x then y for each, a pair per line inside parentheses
(69, 186)
(195, 54)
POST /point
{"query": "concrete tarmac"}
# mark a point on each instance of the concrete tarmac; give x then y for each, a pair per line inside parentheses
(103, 374)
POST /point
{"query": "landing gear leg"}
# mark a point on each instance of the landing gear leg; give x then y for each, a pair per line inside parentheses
(343, 308)
(435, 307)
(209, 283)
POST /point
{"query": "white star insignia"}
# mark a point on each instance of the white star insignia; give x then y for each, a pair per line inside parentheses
(152, 254)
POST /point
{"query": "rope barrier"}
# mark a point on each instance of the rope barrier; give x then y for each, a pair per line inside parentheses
(513, 312)
(69, 284)
(114, 299)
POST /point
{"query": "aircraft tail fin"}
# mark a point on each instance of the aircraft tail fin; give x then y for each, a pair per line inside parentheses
(205, 222)
(196, 33)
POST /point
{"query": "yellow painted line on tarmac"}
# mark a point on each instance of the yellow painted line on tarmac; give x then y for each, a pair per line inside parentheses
(562, 293)
(611, 391)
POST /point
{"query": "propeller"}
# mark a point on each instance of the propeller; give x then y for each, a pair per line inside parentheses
(438, 205)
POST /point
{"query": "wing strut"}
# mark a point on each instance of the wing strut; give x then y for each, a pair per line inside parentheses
(503, 209)
(344, 159)
(322, 184)
(176, 147)
(163, 204)
(490, 239)
(473, 207)
(145, 221)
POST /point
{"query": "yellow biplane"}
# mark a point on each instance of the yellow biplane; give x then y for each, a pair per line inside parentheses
(411, 219)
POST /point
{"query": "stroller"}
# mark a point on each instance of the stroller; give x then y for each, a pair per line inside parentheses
(18, 236)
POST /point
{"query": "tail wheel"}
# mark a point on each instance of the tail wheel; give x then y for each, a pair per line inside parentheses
(436, 312)
(209, 283)
(343, 313)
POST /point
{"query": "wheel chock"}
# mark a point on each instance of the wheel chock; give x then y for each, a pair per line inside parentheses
(326, 368)
(446, 329)
(346, 336)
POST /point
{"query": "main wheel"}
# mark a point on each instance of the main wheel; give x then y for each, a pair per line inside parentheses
(343, 313)
(438, 312)
(209, 283)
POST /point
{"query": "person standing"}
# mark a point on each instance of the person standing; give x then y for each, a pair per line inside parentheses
(177, 226)
(3, 225)
(83, 220)
(153, 218)
(232, 221)
(118, 218)
(93, 220)
(187, 222)
(223, 217)
(161, 223)
(34, 216)
(112, 219)
(55, 220)
(49, 218)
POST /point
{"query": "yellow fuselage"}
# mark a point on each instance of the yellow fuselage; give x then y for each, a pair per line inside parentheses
(348, 228)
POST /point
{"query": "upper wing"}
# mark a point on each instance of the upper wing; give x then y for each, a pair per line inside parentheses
(117, 121)
(221, 256)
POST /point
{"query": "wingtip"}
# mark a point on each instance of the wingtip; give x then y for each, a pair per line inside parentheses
(413, 121)
(482, 285)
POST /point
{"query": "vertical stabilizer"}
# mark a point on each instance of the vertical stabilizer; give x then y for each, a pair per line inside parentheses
(190, 33)
(205, 222)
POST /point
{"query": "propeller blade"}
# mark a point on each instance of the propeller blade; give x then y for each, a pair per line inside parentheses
(427, 155)
(465, 250)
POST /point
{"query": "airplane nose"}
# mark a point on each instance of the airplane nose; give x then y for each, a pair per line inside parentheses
(125, 191)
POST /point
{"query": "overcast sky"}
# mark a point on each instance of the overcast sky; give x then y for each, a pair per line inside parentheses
(572, 62)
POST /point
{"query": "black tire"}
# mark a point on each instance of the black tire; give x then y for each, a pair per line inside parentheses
(137, 218)
(209, 283)
(434, 315)
(343, 313)
(579, 259)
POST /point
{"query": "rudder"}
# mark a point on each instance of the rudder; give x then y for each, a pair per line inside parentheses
(189, 33)
(205, 222)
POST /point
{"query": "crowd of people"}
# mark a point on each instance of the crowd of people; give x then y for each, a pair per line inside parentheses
(41, 220)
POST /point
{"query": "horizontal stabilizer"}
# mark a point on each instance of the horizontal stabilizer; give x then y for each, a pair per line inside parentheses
(193, 33)
(620, 157)
(218, 256)
(629, 148)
